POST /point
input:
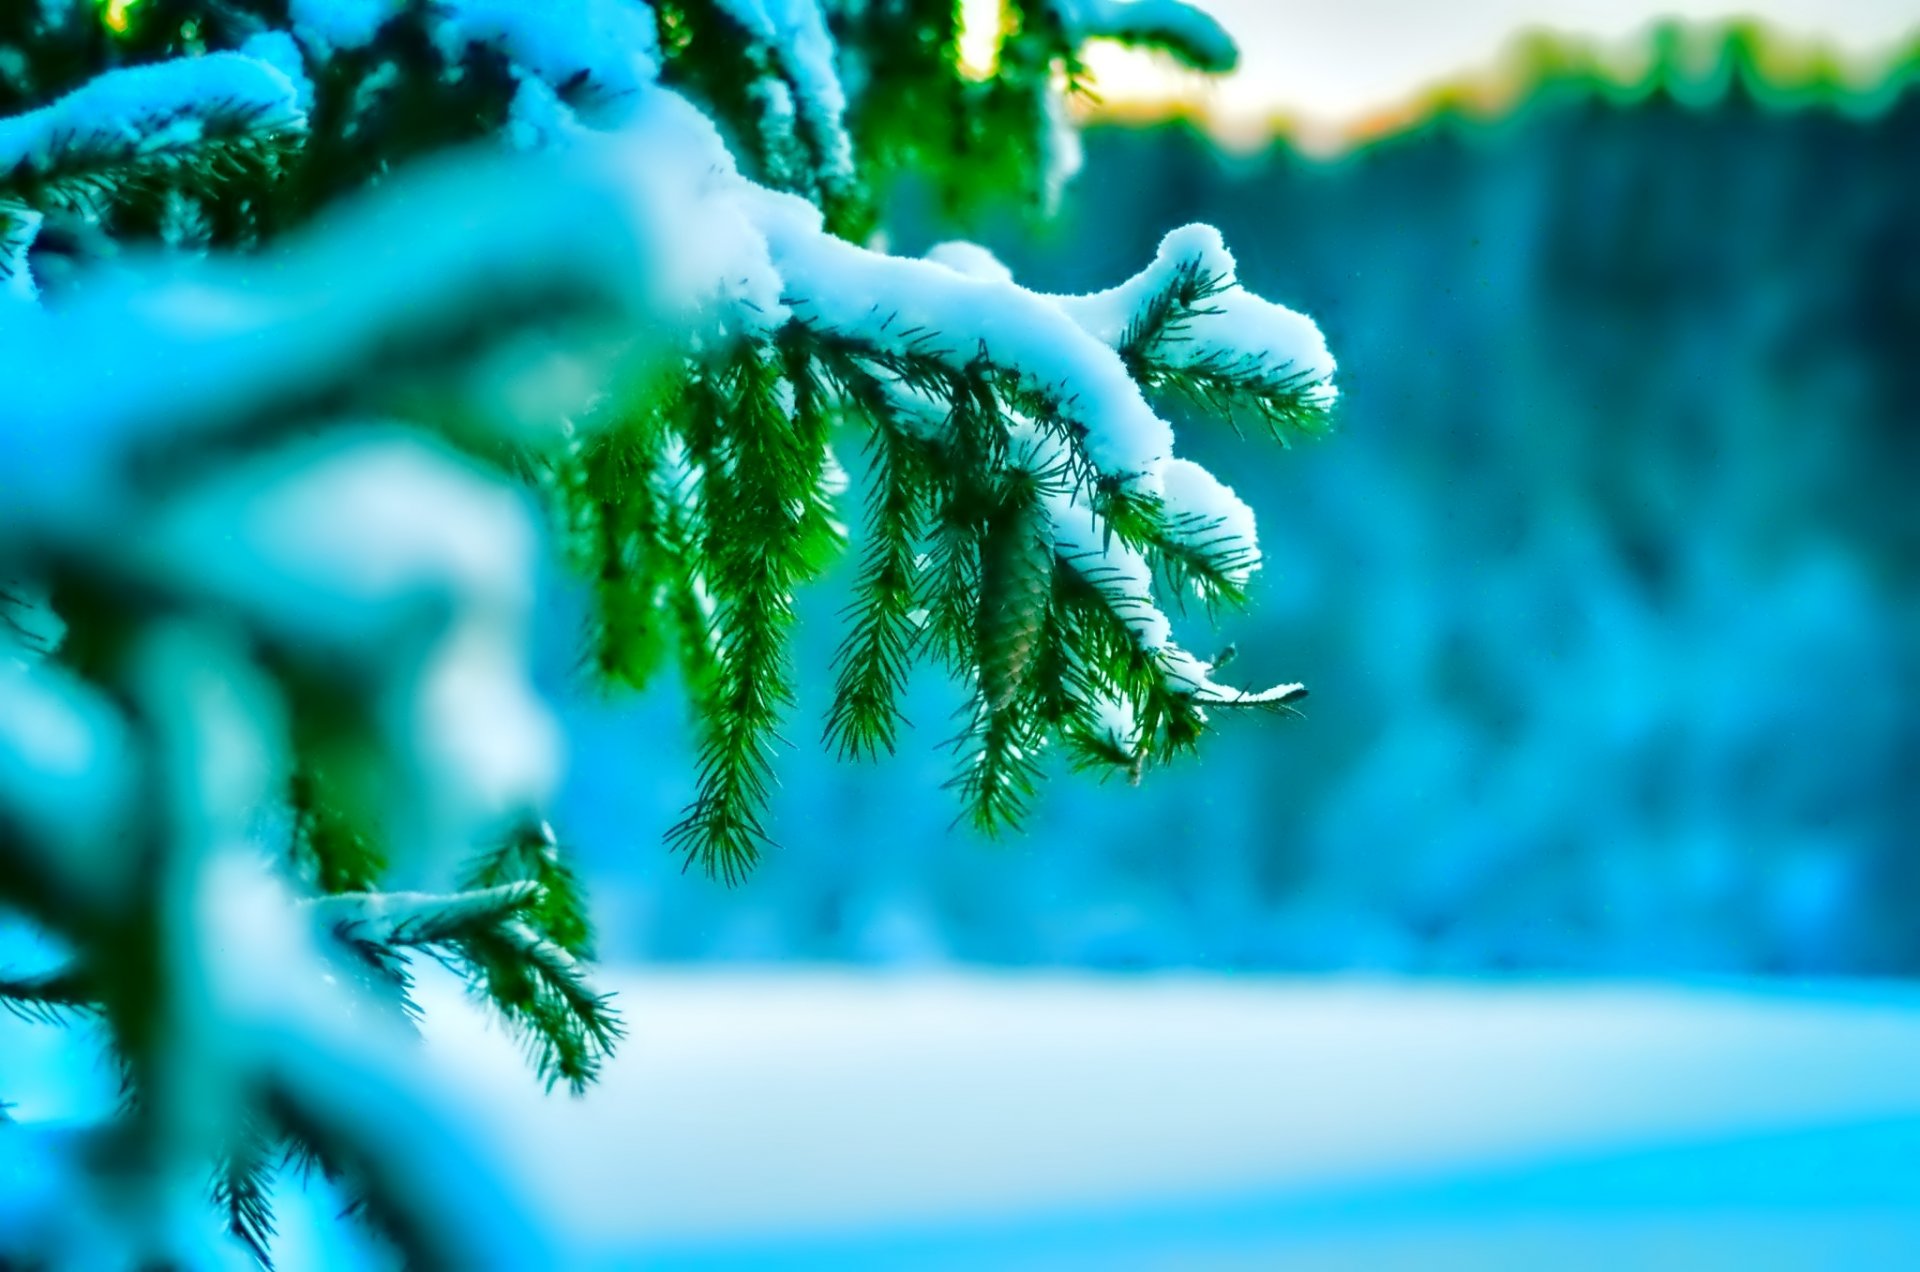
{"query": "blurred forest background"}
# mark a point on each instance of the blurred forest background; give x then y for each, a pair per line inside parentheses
(1607, 587)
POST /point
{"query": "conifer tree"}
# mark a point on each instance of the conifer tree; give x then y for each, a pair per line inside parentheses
(314, 307)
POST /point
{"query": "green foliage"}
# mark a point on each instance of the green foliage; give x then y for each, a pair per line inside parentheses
(540, 988)
(975, 142)
(958, 565)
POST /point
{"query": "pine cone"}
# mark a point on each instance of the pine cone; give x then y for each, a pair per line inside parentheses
(1016, 588)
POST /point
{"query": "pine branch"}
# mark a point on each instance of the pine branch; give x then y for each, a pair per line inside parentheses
(713, 49)
(19, 225)
(873, 660)
(569, 1029)
(761, 476)
(1164, 348)
(1193, 552)
(1000, 770)
(487, 936)
(422, 919)
(1114, 689)
(1169, 312)
(558, 911)
(1291, 404)
(1000, 765)
(377, 963)
(242, 1191)
(950, 588)
(647, 510)
(57, 997)
(637, 560)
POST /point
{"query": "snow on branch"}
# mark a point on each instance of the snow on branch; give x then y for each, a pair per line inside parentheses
(1183, 30)
(193, 121)
(422, 918)
(1038, 410)
(901, 307)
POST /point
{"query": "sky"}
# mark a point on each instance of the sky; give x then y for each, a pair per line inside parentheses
(1337, 61)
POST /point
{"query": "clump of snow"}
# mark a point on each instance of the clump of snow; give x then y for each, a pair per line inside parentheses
(336, 540)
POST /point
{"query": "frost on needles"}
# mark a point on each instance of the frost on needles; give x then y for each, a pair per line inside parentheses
(321, 319)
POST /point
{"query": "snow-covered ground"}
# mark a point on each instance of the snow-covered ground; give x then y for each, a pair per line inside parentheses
(818, 1119)
(836, 1120)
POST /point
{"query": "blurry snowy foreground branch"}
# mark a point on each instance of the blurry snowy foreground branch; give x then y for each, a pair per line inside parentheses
(241, 588)
(288, 738)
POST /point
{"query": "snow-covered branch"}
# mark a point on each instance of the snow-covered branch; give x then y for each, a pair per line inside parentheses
(187, 122)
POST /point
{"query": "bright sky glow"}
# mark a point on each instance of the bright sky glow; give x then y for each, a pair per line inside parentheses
(1336, 62)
